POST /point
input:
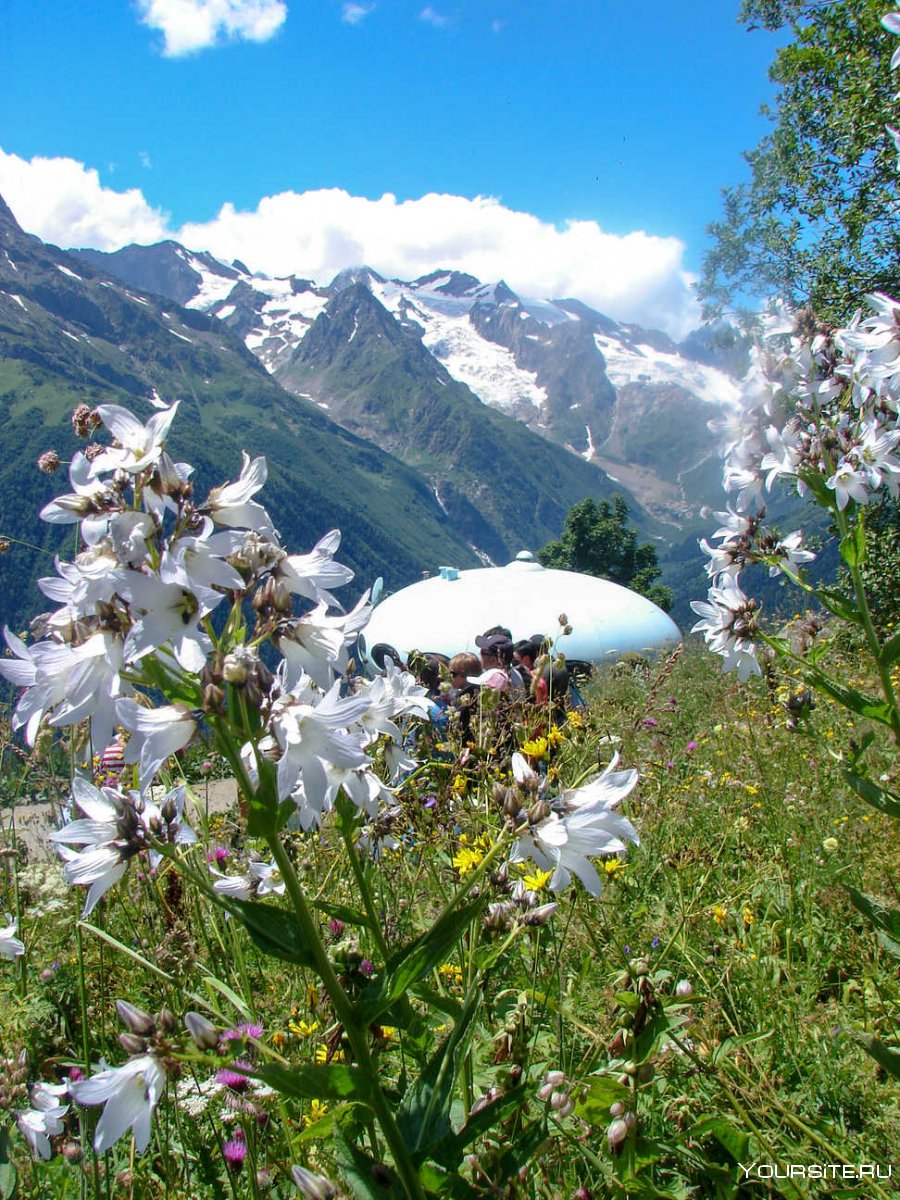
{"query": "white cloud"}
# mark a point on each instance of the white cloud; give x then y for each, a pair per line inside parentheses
(636, 277)
(145, 160)
(191, 25)
(352, 14)
(430, 17)
(63, 202)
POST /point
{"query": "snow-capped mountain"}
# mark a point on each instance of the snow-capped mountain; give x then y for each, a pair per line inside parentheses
(570, 373)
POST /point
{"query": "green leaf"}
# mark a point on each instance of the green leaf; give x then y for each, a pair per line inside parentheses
(890, 651)
(837, 603)
(214, 985)
(272, 930)
(876, 796)
(877, 912)
(424, 1113)
(9, 1180)
(445, 1004)
(733, 1140)
(865, 706)
(332, 1081)
(263, 809)
(603, 1092)
(887, 1057)
(853, 546)
(369, 1179)
(341, 912)
(449, 1152)
(888, 944)
(415, 960)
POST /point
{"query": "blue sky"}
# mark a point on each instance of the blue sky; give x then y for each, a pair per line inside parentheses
(580, 125)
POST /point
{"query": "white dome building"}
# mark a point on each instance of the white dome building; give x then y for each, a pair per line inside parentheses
(445, 614)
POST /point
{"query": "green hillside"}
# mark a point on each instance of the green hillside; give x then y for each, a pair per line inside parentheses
(70, 335)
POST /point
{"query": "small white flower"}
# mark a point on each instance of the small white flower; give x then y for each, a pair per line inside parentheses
(789, 552)
(311, 575)
(156, 733)
(139, 446)
(44, 1119)
(10, 945)
(585, 827)
(849, 483)
(231, 504)
(728, 624)
(129, 1093)
(268, 878)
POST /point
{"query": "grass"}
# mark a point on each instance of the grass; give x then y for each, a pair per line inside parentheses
(748, 838)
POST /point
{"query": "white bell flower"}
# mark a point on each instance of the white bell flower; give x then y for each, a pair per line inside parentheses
(129, 1095)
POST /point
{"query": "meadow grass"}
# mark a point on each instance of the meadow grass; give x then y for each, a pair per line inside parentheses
(713, 990)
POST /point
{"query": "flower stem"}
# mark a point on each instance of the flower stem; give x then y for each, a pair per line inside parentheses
(343, 1008)
(862, 601)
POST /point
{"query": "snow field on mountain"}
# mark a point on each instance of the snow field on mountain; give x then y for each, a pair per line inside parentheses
(644, 364)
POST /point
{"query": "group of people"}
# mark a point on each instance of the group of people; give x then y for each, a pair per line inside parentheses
(523, 670)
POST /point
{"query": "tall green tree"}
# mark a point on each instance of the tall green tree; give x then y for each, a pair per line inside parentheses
(597, 540)
(817, 222)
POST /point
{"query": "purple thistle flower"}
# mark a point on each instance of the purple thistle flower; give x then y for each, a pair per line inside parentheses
(234, 1152)
(691, 746)
(233, 1079)
(366, 967)
(650, 723)
(336, 927)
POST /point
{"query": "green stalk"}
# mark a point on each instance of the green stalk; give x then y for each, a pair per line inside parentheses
(344, 1012)
(872, 638)
(362, 883)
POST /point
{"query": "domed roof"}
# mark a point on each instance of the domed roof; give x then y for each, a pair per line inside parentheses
(446, 613)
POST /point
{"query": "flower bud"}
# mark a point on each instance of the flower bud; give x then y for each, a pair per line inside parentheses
(616, 1134)
(213, 698)
(683, 989)
(167, 1021)
(314, 1187)
(234, 669)
(203, 1033)
(540, 915)
(552, 1081)
(132, 1044)
(617, 1109)
(134, 1018)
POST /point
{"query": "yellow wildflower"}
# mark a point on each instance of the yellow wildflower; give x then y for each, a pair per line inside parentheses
(459, 784)
(719, 914)
(555, 736)
(317, 1111)
(536, 748)
(303, 1029)
(613, 866)
(575, 719)
(452, 974)
(537, 881)
(323, 1055)
(469, 856)
(748, 916)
